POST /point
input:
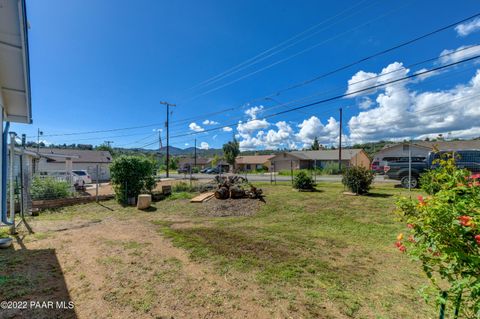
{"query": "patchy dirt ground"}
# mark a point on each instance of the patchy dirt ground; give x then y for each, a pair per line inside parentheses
(106, 188)
(120, 268)
(230, 207)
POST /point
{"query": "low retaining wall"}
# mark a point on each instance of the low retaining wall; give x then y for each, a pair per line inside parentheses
(61, 202)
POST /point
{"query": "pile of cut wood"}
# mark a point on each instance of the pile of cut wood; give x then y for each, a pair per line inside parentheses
(235, 187)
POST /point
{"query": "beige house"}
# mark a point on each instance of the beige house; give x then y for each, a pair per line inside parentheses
(310, 159)
(253, 162)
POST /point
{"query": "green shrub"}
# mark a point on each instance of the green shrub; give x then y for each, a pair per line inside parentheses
(132, 175)
(434, 180)
(443, 234)
(303, 181)
(358, 179)
(183, 187)
(49, 188)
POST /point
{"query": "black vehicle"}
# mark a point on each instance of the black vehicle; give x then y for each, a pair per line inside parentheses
(399, 170)
(182, 170)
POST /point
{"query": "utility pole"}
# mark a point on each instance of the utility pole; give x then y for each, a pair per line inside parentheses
(39, 133)
(168, 135)
(340, 144)
(195, 156)
(108, 143)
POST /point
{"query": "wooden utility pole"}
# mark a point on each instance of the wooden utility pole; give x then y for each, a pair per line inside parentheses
(168, 134)
(340, 144)
(195, 156)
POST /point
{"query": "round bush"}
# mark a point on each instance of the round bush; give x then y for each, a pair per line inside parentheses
(303, 181)
(358, 179)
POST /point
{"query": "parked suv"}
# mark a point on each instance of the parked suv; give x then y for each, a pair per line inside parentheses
(468, 159)
(81, 178)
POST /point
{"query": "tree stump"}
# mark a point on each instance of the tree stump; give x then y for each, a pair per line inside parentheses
(222, 193)
(237, 192)
(144, 201)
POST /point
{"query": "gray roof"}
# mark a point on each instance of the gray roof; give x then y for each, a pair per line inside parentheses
(78, 156)
(444, 145)
(326, 155)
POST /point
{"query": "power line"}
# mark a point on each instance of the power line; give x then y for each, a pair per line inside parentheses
(418, 74)
(185, 120)
(379, 53)
(279, 105)
(279, 47)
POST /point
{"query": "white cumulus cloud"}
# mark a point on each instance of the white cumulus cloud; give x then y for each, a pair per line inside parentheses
(195, 127)
(209, 122)
(251, 126)
(461, 53)
(254, 111)
(402, 113)
(466, 28)
(204, 146)
(227, 129)
(362, 80)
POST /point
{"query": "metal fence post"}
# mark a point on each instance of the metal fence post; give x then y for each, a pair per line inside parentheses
(96, 189)
(291, 170)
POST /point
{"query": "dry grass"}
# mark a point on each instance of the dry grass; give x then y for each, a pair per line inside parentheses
(302, 255)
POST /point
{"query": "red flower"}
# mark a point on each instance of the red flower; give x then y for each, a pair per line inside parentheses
(465, 221)
(421, 201)
(411, 239)
(398, 244)
(477, 239)
(410, 226)
(402, 248)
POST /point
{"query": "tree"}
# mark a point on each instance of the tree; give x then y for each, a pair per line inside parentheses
(105, 147)
(215, 160)
(132, 175)
(315, 145)
(231, 151)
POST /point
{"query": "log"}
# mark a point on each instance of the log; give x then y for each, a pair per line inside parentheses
(237, 192)
(222, 193)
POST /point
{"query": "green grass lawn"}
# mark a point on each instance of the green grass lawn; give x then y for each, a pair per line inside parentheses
(317, 254)
(315, 250)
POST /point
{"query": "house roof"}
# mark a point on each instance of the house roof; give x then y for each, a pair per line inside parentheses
(325, 155)
(443, 145)
(253, 159)
(14, 62)
(78, 156)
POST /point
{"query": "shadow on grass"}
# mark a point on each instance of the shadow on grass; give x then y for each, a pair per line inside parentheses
(378, 195)
(150, 209)
(105, 206)
(34, 277)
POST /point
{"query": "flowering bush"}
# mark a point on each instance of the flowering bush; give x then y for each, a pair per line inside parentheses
(443, 233)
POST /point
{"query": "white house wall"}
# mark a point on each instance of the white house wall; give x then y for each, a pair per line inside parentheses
(91, 168)
(400, 151)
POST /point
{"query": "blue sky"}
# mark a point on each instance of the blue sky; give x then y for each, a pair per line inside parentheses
(106, 65)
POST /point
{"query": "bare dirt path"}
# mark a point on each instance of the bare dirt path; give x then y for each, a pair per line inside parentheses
(123, 268)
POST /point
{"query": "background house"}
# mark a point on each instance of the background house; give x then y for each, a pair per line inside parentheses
(55, 160)
(319, 159)
(253, 162)
(188, 161)
(420, 149)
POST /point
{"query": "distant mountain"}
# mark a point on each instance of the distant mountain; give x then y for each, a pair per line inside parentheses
(174, 151)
